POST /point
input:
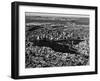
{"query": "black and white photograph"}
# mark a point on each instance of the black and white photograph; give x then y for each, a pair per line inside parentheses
(56, 41)
(50, 40)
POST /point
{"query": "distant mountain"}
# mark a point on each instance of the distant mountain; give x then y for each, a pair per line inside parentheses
(40, 19)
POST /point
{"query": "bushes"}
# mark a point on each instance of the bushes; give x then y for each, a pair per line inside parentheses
(36, 56)
(50, 58)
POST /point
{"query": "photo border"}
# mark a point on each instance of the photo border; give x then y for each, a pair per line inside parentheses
(15, 39)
